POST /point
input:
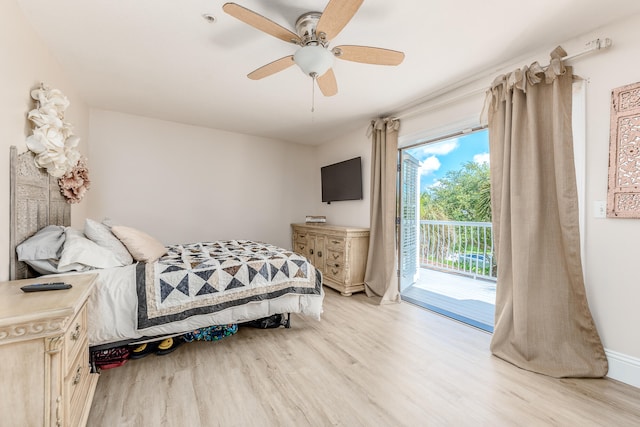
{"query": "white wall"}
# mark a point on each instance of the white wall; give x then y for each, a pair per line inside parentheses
(183, 183)
(353, 213)
(25, 62)
(612, 251)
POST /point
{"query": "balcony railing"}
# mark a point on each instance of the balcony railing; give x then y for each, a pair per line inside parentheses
(460, 247)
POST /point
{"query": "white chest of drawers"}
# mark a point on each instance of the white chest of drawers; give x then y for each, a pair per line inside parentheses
(44, 354)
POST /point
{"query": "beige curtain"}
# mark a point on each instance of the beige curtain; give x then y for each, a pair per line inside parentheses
(543, 322)
(381, 278)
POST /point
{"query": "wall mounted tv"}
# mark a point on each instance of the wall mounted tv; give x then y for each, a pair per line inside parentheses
(342, 181)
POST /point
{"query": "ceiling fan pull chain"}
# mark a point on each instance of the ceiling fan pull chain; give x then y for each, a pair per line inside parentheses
(313, 93)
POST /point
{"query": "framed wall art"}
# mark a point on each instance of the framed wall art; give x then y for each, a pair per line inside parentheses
(623, 198)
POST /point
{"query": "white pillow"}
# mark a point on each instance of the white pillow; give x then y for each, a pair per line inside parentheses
(142, 246)
(43, 266)
(44, 245)
(80, 253)
(100, 234)
(109, 222)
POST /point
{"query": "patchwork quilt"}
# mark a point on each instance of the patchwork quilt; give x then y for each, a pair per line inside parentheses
(205, 277)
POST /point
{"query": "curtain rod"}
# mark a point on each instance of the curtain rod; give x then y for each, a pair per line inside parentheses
(592, 46)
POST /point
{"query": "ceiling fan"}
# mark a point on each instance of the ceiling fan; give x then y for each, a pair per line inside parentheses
(314, 32)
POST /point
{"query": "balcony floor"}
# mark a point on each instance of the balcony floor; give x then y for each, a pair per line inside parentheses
(462, 298)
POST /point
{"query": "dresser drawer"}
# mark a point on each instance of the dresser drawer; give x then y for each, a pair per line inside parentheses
(78, 405)
(335, 257)
(301, 247)
(301, 236)
(75, 337)
(76, 384)
(334, 272)
(336, 243)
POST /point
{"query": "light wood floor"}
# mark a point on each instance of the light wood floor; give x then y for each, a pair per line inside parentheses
(362, 365)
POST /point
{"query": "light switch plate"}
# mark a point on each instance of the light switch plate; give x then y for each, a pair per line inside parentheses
(600, 209)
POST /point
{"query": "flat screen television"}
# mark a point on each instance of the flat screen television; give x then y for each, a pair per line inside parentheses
(342, 181)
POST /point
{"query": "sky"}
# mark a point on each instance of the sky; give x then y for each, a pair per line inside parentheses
(436, 159)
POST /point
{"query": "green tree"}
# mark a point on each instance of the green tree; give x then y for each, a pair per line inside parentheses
(462, 195)
(430, 210)
(483, 202)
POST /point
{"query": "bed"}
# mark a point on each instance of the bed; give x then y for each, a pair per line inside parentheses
(189, 286)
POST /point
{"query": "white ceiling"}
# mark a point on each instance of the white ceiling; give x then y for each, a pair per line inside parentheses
(160, 58)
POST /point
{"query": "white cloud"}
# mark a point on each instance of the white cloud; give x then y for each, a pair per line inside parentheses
(438, 148)
(481, 158)
(429, 165)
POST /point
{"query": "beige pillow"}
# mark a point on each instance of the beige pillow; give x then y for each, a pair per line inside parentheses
(101, 234)
(141, 246)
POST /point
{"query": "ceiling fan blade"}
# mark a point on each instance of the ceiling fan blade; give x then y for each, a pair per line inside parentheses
(271, 68)
(327, 83)
(260, 22)
(369, 55)
(336, 15)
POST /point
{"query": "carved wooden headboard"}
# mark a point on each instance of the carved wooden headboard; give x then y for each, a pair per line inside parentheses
(35, 203)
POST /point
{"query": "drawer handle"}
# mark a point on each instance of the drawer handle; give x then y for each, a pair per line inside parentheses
(336, 265)
(334, 271)
(311, 251)
(76, 379)
(335, 242)
(301, 247)
(319, 253)
(76, 333)
(336, 256)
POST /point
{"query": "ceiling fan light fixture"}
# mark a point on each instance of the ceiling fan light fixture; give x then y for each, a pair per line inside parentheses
(313, 60)
(314, 32)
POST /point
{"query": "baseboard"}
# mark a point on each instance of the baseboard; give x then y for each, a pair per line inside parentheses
(623, 368)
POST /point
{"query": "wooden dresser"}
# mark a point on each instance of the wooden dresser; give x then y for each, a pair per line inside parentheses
(45, 377)
(340, 253)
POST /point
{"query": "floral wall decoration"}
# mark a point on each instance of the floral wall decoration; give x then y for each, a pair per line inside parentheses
(75, 183)
(623, 199)
(54, 144)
